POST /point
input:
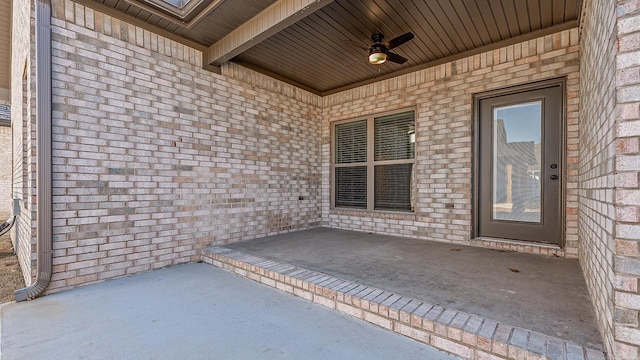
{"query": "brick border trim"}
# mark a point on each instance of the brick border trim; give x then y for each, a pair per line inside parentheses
(521, 247)
(459, 333)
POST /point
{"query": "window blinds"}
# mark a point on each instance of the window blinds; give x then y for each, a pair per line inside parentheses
(393, 137)
(351, 142)
(351, 186)
(351, 147)
(393, 187)
(389, 159)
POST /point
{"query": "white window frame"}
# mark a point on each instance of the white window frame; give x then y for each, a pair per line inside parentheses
(371, 163)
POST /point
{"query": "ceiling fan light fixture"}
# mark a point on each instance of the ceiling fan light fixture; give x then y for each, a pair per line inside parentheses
(377, 58)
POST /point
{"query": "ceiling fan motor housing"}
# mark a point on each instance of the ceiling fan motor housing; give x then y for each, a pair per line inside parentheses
(377, 48)
(377, 38)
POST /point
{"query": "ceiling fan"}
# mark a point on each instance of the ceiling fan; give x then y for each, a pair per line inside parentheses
(379, 52)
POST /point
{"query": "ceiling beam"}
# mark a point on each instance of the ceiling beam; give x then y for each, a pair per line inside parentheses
(278, 16)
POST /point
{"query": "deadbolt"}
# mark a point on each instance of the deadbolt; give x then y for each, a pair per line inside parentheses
(553, 166)
(553, 177)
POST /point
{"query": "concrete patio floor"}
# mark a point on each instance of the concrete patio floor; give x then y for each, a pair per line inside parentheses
(539, 293)
(192, 311)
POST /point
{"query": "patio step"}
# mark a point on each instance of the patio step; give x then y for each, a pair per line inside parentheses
(462, 334)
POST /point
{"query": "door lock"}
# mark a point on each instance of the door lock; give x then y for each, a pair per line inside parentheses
(553, 166)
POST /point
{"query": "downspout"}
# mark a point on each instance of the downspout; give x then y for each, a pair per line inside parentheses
(44, 241)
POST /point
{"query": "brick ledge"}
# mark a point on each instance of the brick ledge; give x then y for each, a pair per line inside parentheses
(519, 246)
(465, 335)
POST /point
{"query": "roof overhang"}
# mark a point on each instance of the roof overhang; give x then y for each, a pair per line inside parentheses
(309, 43)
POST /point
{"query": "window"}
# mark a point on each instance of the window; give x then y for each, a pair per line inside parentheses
(177, 3)
(373, 162)
(179, 8)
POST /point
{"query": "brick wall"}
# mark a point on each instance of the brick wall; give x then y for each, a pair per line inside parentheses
(23, 129)
(596, 217)
(154, 157)
(443, 96)
(609, 226)
(5, 172)
(627, 169)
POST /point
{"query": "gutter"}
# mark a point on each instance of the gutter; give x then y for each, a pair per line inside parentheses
(44, 199)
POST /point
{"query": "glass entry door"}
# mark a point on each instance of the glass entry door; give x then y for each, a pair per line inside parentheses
(519, 169)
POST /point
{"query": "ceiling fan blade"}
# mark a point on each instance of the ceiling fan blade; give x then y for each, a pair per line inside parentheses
(400, 40)
(396, 58)
(356, 44)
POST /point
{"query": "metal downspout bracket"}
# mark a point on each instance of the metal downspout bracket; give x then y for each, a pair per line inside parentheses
(43, 154)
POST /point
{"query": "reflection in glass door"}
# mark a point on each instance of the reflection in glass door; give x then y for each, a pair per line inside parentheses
(517, 134)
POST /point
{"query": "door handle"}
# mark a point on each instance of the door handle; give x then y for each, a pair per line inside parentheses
(553, 177)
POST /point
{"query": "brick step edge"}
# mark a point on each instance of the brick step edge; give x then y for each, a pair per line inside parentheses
(465, 335)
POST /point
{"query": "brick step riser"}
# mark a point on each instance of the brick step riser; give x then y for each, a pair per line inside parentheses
(461, 334)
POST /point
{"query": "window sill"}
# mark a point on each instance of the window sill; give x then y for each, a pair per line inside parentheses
(385, 214)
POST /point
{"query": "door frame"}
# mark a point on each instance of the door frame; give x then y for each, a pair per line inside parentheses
(475, 130)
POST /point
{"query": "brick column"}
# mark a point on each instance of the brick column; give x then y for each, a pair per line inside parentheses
(627, 189)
